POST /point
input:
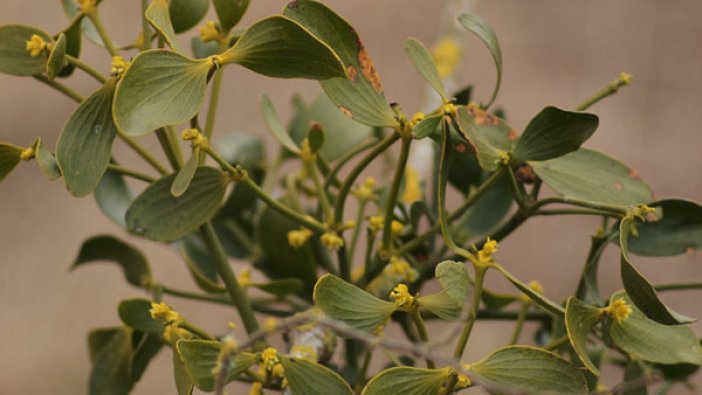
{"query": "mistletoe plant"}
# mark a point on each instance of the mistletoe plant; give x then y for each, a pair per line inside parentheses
(323, 273)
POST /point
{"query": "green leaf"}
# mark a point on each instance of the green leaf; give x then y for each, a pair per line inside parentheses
(270, 117)
(345, 302)
(454, 279)
(633, 372)
(74, 42)
(57, 57)
(159, 88)
(114, 197)
(679, 231)
(135, 313)
(536, 297)
(282, 287)
(360, 96)
(640, 289)
(84, 147)
(441, 305)
(229, 12)
(482, 29)
(160, 216)
(199, 260)
(580, 318)
(111, 353)
(527, 370)
(88, 28)
(200, 358)
(423, 62)
(595, 177)
(495, 301)
(160, 18)
(203, 50)
(427, 126)
(407, 381)
(46, 161)
(185, 175)
(464, 168)
(555, 132)
(342, 133)
(489, 135)
(14, 57)
(487, 212)
(310, 378)
(145, 347)
(108, 248)
(9, 158)
(652, 341)
(280, 260)
(185, 14)
(183, 380)
(277, 46)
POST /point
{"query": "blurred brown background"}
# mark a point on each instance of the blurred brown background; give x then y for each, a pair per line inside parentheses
(555, 52)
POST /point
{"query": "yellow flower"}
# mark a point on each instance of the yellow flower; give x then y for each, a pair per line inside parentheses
(298, 238)
(449, 109)
(417, 118)
(365, 191)
(397, 227)
(489, 248)
(173, 333)
(244, 277)
(28, 153)
(269, 358)
(36, 45)
(446, 54)
(619, 310)
(399, 268)
(332, 241)
(195, 137)
(306, 153)
(270, 324)
(413, 189)
(375, 223)
(400, 294)
(536, 287)
(505, 157)
(463, 381)
(625, 78)
(256, 389)
(209, 32)
(161, 311)
(87, 6)
(118, 66)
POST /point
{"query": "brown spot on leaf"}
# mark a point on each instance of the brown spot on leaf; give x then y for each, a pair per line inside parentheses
(525, 174)
(634, 174)
(512, 134)
(618, 186)
(346, 111)
(461, 148)
(368, 69)
(352, 72)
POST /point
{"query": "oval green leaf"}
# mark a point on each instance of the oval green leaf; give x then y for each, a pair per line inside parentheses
(9, 158)
(159, 16)
(487, 212)
(114, 197)
(14, 57)
(199, 260)
(136, 314)
(423, 62)
(482, 29)
(200, 358)
(407, 380)
(57, 57)
(580, 318)
(160, 216)
(555, 132)
(272, 120)
(108, 248)
(277, 46)
(84, 148)
(72, 9)
(185, 175)
(454, 279)
(74, 42)
(678, 231)
(159, 88)
(310, 378)
(360, 95)
(528, 370)
(185, 14)
(229, 12)
(427, 126)
(346, 302)
(536, 297)
(595, 177)
(639, 289)
(111, 355)
(652, 341)
(46, 161)
(489, 135)
(442, 305)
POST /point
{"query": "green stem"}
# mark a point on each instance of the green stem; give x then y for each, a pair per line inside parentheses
(130, 173)
(678, 286)
(361, 378)
(520, 323)
(214, 98)
(145, 28)
(241, 176)
(473, 314)
(329, 180)
(235, 291)
(143, 153)
(95, 18)
(196, 330)
(389, 213)
(609, 90)
(322, 197)
(612, 209)
(344, 263)
(460, 210)
(423, 334)
(174, 143)
(61, 88)
(356, 171)
(87, 68)
(557, 343)
(517, 188)
(357, 229)
(566, 211)
(167, 146)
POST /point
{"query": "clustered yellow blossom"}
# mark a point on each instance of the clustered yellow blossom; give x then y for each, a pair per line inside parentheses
(209, 32)
(417, 118)
(256, 389)
(270, 363)
(244, 277)
(413, 187)
(449, 109)
(365, 191)
(270, 324)
(505, 157)
(375, 223)
(625, 78)
(298, 238)
(195, 137)
(118, 66)
(399, 268)
(332, 241)
(36, 45)
(401, 296)
(485, 254)
(619, 309)
(173, 332)
(446, 54)
(463, 381)
(28, 153)
(536, 287)
(306, 153)
(161, 311)
(397, 227)
(641, 212)
(87, 7)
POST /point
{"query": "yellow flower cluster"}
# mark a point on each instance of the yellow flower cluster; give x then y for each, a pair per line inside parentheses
(270, 362)
(463, 381)
(417, 118)
(209, 32)
(449, 109)
(413, 187)
(400, 269)
(36, 45)
(375, 223)
(446, 54)
(306, 153)
(619, 309)
(244, 277)
(332, 241)
(485, 254)
(298, 238)
(161, 311)
(118, 66)
(402, 298)
(195, 137)
(625, 78)
(28, 153)
(365, 191)
(87, 7)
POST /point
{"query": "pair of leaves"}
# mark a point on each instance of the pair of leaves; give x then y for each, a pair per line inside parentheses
(163, 87)
(519, 369)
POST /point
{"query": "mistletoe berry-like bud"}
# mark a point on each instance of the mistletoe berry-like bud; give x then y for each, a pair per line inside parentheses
(195, 137)
(298, 238)
(118, 66)
(619, 309)
(332, 241)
